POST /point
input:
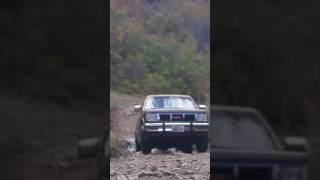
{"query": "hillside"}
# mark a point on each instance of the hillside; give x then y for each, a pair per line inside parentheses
(160, 47)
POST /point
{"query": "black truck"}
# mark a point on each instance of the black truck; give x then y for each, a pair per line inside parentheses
(171, 121)
(243, 146)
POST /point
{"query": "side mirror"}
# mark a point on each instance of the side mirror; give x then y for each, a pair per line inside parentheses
(202, 106)
(137, 108)
(296, 143)
(88, 148)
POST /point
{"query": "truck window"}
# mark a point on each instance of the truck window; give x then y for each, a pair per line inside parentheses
(168, 102)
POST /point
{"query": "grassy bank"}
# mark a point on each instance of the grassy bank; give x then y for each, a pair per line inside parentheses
(122, 124)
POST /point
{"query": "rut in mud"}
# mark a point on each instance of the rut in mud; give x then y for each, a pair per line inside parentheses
(166, 165)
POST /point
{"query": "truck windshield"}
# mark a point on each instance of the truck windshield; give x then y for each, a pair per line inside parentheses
(169, 102)
(243, 130)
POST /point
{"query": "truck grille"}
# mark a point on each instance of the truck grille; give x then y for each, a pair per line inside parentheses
(164, 117)
(177, 116)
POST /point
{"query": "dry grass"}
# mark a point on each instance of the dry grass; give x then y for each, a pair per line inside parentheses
(124, 99)
(122, 125)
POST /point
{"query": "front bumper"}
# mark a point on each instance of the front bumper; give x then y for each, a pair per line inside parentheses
(175, 131)
(174, 127)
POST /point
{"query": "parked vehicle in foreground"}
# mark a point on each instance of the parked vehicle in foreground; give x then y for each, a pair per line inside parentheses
(171, 121)
(244, 147)
(97, 148)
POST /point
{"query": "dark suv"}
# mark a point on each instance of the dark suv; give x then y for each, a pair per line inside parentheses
(98, 149)
(171, 121)
(244, 147)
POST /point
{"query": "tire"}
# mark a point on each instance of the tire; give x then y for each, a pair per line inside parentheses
(163, 148)
(202, 145)
(138, 146)
(145, 147)
(187, 148)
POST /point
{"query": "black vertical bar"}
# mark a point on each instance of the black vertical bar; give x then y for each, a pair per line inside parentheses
(163, 127)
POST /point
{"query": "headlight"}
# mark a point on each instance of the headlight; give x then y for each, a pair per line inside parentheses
(293, 173)
(152, 117)
(201, 117)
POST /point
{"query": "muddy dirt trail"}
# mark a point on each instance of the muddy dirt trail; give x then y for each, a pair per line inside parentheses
(160, 165)
(166, 165)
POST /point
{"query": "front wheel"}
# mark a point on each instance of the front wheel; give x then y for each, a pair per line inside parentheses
(138, 145)
(186, 148)
(145, 147)
(202, 145)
